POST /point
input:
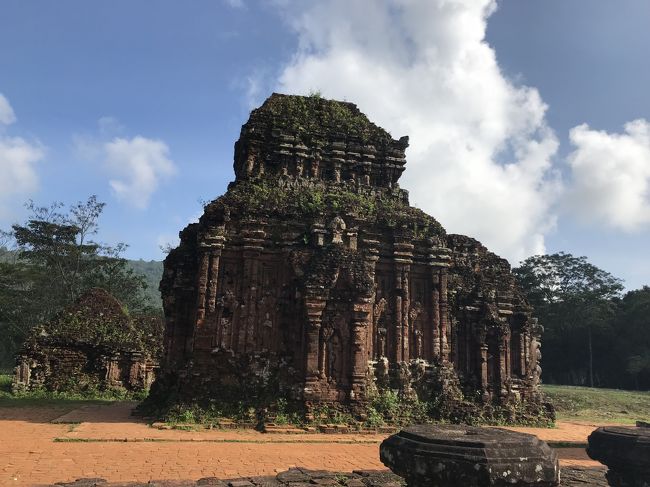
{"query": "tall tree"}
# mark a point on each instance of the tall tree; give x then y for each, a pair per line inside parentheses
(632, 327)
(572, 298)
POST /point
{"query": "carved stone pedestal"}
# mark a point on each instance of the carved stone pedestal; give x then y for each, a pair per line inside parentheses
(454, 456)
(626, 452)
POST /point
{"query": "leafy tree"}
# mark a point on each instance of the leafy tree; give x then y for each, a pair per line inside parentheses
(573, 300)
(55, 259)
(16, 303)
(632, 328)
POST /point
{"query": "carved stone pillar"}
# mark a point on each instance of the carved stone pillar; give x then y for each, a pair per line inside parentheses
(360, 325)
(372, 257)
(483, 363)
(406, 306)
(325, 335)
(503, 372)
(403, 258)
(439, 260)
(315, 307)
(252, 259)
(213, 275)
(253, 240)
(523, 353)
(435, 315)
(397, 353)
(210, 248)
(202, 283)
(444, 317)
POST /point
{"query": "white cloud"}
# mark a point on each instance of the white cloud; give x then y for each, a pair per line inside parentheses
(17, 159)
(611, 176)
(480, 155)
(138, 166)
(17, 163)
(7, 116)
(235, 3)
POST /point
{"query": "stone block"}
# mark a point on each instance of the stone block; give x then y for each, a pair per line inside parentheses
(452, 455)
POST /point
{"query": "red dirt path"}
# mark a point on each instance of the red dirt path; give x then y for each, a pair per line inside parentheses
(107, 442)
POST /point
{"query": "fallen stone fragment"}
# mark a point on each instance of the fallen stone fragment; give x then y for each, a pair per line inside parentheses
(211, 481)
(625, 450)
(292, 475)
(240, 483)
(454, 455)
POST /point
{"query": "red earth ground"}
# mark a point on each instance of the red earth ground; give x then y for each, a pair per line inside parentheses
(41, 445)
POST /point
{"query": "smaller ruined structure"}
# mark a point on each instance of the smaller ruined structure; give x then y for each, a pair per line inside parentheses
(92, 344)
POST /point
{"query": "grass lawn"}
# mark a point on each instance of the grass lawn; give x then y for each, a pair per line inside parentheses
(599, 405)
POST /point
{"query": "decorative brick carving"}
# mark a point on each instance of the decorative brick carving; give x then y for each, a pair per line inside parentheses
(314, 261)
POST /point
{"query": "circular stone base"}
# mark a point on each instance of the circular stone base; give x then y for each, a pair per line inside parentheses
(626, 452)
(453, 455)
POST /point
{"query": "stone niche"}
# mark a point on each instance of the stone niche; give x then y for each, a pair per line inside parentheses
(314, 279)
(92, 344)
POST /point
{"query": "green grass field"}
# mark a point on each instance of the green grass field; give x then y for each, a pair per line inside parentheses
(599, 405)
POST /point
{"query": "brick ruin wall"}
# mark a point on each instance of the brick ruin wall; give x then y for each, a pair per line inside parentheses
(314, 274)
(90, 345)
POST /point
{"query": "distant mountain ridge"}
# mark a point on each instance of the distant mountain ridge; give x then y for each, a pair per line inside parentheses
(151, 270)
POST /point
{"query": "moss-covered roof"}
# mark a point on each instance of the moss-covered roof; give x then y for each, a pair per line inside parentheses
(312, 116)
(95, 318)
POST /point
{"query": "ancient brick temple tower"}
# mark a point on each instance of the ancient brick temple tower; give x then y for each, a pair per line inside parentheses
(313, 276)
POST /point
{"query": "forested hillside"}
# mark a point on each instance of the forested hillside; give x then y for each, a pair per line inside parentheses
(152, 271)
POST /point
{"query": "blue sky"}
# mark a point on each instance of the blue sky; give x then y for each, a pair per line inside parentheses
(141, 103)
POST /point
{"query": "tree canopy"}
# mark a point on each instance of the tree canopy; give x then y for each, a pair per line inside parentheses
(592, 335)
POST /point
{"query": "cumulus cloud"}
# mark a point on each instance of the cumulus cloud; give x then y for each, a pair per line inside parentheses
(138, 165)
(481, 151)
(7, 116)
(611, 176)
(17, 162)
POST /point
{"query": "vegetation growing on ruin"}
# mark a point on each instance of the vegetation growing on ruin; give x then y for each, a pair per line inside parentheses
(257, 400)
(309, 116)
(268, 198)
(385, 409)
(44, 398)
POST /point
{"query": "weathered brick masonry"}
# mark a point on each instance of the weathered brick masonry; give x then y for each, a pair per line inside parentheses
(314, 277)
